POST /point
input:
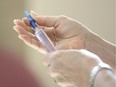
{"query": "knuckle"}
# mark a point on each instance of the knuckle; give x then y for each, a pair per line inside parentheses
(53, 68)
(53, 74)
(60, 79)
(63, 81)
(53, 71)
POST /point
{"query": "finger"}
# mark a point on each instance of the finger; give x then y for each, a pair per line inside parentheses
(49, 32)
(49, 21)
(60, 79)
(20, 30)
(29, 41)
(34, 15)
(19, 22)
(26, 21)
(25, 38)
(22, 24)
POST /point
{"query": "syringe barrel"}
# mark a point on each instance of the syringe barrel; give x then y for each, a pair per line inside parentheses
(45, 41)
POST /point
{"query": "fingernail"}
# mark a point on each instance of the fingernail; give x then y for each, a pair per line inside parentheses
(15, 21)
(15, 28)
(24, 19)
(19, 36)
(33, 13)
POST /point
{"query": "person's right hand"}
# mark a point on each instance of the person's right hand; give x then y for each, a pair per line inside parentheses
(71, 68)
(64, 32)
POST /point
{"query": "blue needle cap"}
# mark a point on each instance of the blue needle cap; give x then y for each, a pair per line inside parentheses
(32, 21)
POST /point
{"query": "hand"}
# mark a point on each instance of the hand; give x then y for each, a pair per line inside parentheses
(71, 68)
(64, 32)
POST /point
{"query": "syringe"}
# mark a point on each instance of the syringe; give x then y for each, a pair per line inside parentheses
(40, 34)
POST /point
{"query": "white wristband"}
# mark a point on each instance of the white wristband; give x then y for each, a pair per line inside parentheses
(95, 71)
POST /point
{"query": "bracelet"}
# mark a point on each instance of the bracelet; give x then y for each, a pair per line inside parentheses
(95, 71)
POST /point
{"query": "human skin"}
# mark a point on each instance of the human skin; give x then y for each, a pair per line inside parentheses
(66, 33)
(72, 68)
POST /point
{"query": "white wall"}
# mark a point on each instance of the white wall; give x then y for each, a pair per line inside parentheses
(98, 15)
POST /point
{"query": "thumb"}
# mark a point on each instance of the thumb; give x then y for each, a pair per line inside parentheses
(48, 21)
(34, 14)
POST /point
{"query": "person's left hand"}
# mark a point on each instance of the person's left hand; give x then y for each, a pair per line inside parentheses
(71, 68)
(64, 32)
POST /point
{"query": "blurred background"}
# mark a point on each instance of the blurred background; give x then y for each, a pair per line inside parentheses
(97, 15)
